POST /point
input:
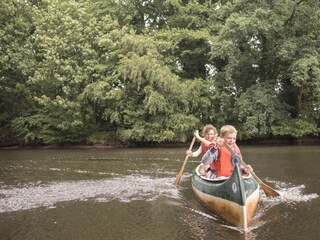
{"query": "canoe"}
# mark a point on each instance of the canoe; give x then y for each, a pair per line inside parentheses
(235, 199)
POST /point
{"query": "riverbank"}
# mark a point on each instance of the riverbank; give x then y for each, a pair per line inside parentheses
(300, 141)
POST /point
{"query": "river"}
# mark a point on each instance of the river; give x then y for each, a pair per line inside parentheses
(127, 194)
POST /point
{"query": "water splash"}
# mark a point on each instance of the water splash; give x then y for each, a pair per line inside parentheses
(290, 194)
(295, 194)
(125, 189)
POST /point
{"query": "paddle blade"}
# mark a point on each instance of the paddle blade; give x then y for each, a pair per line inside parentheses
(177, 181)
(269, 191)
(178, 178)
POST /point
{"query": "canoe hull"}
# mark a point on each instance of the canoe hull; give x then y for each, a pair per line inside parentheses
(234, 199)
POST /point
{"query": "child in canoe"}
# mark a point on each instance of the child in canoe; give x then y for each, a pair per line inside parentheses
(220, 160)
(210, 134)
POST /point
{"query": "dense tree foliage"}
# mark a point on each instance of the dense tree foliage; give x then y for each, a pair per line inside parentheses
(77, 71)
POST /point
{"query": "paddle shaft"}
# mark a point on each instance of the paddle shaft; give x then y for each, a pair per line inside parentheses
(269, 191)
(178, 178)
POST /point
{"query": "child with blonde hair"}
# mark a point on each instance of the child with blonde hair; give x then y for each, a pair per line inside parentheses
(220, 160)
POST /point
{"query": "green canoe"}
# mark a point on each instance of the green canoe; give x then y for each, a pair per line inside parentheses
(234, 199)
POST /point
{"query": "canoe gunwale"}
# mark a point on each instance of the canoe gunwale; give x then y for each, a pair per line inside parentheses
(219, 179)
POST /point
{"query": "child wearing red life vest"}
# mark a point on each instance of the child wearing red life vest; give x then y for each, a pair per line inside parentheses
(220, 160)
(210, 133)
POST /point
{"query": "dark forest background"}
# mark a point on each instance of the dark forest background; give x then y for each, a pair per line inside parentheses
(153, 71)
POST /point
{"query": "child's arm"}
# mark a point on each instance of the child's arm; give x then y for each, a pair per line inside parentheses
(194, 154)
(203, 140)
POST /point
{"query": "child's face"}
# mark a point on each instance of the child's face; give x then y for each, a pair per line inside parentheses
(210, 135)
(230, 138)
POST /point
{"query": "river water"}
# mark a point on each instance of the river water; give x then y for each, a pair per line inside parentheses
(127, 194)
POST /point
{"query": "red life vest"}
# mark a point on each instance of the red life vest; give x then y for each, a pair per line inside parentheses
(205, 148)
(225, 163)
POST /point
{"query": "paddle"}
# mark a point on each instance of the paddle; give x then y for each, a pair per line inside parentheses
(178, 178)
(269, 191)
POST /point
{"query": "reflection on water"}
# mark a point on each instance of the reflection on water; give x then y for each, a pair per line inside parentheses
(128, 194)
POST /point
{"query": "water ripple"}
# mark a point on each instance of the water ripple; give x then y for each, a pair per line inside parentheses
(124, 189)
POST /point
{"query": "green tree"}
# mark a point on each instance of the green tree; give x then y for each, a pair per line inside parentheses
(15, 64)
(260, 109)
(153, 71)
(272, 44)
(64, 44)
(142, 98)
